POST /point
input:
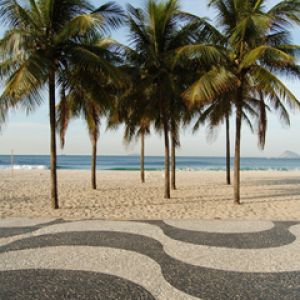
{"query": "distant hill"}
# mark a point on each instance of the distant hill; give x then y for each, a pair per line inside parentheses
(289, 154)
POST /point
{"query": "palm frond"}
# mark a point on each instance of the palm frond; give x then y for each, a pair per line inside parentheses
(112, 14)
(273, 87)
(211, 85)
(64, 114)
(257, 53)
(79, 25)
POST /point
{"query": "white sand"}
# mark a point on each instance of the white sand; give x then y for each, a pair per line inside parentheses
(266, 195)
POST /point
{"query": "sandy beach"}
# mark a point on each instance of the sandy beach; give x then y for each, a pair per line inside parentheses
(266, 195)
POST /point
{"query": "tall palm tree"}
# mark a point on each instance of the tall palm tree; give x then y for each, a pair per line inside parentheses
(155, 34)
(72, 106)
(228, 156)
(180, 113)
(132, 109)
(174, 144)
(215, 114)
(143, 130)
(219, 112)
(44, 38)
(258, 49)
(90, 95)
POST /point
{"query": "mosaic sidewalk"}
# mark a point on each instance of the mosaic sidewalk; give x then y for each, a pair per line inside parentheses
(168, 260)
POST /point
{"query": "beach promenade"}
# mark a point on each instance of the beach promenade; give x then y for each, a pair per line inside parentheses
(93, 259)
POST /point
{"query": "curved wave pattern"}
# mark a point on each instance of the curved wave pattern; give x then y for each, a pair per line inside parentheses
(221, 226)
(277, 236)
(51, 284)
(11, 231)
(153, 260)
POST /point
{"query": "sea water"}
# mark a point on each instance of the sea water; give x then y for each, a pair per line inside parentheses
(154, 163)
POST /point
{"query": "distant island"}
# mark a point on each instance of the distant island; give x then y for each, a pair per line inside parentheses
(289, 154)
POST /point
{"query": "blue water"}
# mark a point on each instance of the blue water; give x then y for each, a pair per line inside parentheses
(71, 162)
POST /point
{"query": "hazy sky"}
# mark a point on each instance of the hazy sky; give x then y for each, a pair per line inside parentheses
(30, 134)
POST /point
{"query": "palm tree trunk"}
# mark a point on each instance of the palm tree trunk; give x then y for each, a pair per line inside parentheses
(173, 161)
(142, 157)
(167, 160)
(228, 151)
(54, 193)
(94, 164)
(237, 155)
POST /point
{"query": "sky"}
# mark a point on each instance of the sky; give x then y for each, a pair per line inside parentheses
(29, 134)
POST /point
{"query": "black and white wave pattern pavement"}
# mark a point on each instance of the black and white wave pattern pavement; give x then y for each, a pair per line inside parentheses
(169, 260)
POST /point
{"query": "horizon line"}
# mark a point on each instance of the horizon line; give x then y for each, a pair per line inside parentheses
(137, 155)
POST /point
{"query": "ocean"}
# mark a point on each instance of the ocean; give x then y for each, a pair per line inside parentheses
(154, 163)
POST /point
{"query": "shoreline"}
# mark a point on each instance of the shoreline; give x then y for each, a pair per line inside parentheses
(266, 195)
(152, 163)
(146, 170)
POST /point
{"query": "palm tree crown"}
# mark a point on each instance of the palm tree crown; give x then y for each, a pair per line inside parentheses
(156, 34)
(257, 50)
(45, 38)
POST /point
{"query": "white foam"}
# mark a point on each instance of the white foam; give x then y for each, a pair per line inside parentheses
(25, 167)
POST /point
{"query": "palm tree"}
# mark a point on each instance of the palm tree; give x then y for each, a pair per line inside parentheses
(178, 109)
(174, 144)
(180, 113)
(215, 114)
(258, 49)
(44, 38)
(72, 106)
(143, 130)
(156, 33)
(132, 109)
(219, 112)
(90, 95)
(140, 114)
(228, 168)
